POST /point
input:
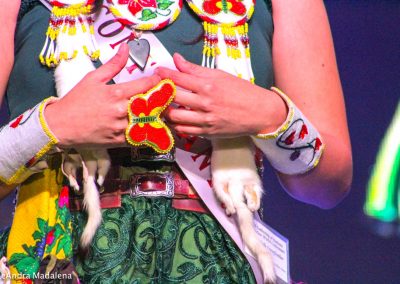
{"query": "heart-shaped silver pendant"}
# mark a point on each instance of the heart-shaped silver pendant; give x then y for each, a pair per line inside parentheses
(139, 51)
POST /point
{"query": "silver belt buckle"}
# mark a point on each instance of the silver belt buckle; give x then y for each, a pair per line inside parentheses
(158, 185)
(139, 154)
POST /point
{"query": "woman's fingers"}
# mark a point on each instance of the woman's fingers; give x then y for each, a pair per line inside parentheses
(110, 69)
(190, 68)
(135, 87)
(190, 100)
(186, 81)
(185, 116)
(190, 130)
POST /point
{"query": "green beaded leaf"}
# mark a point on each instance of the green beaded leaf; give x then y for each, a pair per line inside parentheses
(42, 224)
(37, 236)
(30, 250)
(15, 258)
(147, 14)
(62, 214)
(28, 265)
(68, 247)
(58, 231)
(64, 244)
(164, 4)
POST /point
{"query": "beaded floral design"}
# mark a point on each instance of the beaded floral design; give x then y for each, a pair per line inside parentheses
(296, 139)
(47, 239)
(145, 14)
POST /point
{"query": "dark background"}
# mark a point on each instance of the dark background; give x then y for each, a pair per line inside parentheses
(337, 246)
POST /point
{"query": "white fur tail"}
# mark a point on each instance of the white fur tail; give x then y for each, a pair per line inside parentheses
(91, 203)
(93, 160)
(67, 75)
(257, 248)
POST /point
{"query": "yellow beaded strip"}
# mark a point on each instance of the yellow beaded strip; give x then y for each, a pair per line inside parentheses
(289, 118)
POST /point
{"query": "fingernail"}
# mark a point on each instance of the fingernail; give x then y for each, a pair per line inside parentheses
(180, 57)
(122, 48)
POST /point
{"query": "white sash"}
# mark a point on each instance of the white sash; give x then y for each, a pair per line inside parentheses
(110, 34)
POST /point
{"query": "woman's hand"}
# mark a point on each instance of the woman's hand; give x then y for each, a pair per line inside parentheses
(219, 104)
(94, 114)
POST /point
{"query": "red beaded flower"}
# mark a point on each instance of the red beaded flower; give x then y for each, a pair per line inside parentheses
(145, 125)
(135, 6)
(213, 7)
(50, 237)
(63, 199)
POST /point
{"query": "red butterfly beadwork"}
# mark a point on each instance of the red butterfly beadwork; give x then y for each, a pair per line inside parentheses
(145, 125)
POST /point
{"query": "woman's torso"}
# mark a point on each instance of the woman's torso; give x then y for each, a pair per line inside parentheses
(30, 82)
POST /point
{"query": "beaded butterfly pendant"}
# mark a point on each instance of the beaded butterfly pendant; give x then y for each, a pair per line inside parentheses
(145, 124)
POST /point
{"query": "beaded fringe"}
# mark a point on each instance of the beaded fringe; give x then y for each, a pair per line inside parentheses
(70, 30)
(236, 40)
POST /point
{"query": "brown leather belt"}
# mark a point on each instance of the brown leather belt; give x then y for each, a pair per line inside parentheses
(149, 184)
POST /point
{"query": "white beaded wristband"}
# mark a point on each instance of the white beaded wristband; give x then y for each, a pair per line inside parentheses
(23, 143)
(296, 146)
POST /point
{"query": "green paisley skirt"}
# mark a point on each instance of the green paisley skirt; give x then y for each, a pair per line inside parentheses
(148, 241)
